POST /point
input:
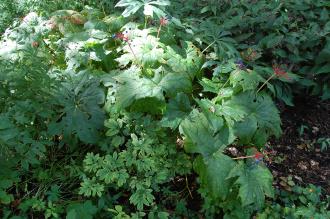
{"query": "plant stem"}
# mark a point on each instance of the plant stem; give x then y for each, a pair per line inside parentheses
(265, 83)
(224, 85)
(135, 57)
(208, 46)
(187, 185)
(219, 93)
(129, 45)
(159, 29)
(145, 21)
(245, 157)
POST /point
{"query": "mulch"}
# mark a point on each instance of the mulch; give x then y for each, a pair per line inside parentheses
(296, 154)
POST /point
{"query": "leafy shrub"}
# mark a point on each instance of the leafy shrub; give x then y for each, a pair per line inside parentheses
(266, 32)
(103, 107)
(148, 159)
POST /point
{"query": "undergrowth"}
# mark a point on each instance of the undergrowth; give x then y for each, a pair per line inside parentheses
(101, 115)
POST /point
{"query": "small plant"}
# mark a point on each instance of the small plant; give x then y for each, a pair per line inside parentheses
(324, 142)
(299, 203)
(302, 129)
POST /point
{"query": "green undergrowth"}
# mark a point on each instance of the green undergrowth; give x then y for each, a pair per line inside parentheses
(101, 116)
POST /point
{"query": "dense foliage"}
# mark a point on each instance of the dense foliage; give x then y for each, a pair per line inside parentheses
(100, 115)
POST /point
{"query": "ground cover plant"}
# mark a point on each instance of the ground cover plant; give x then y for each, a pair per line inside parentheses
(146, 111)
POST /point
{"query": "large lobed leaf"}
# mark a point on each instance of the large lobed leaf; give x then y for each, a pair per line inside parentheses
(213, 173)
(255, 183)
(80, 98)
(186, 60)
(134, 88)
(143, 48)
(132, 6)
(204, 137)
(248, 79)
(176, 110)
(261, 118)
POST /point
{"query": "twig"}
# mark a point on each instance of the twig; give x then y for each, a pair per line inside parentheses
(187, 185)
(245, 157)
(132, 51)
(222, 87)
(135, 57)
(208, 46)
(265, 82)
(158, 32)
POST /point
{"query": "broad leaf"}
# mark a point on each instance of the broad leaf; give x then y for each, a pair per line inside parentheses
(84, 210)
(255, 183)
(261, 118)
(80, 98)
(201, 137)
(213, 172)
(248, 80)
(142, 48)
(186, 60)
(132, 6)
(177, 109)
(133, 88)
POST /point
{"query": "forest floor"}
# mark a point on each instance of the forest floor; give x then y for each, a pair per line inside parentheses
(297, 154)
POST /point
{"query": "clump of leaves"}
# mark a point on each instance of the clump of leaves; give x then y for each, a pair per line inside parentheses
(143, 159)
(302, 202)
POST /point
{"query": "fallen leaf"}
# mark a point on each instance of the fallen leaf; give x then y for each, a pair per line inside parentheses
(303, 165)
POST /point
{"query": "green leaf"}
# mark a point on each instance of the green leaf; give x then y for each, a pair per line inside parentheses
(117, 141)
(325, 92)
(201, 137)
(5, 198)
(322, 69)
(133, 87)
(187, 60)
(173, 83)
(271, 41)
(132, 6)
(213, 172)
(110, 171)
(149, 105)
(324, 55)
(143, 48)
(113, 127)
(248, 80)
(231, 112)
(54, 193)
(80, 98)
(177, 109)
(151, 90)
(209, 86)
(284, 92)
(246, 130)
(208, 108)
(84, 210)
(114, 23)
(142, 197)
(261, 118)
(254, 183)
(8, 131)
(89, 187)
